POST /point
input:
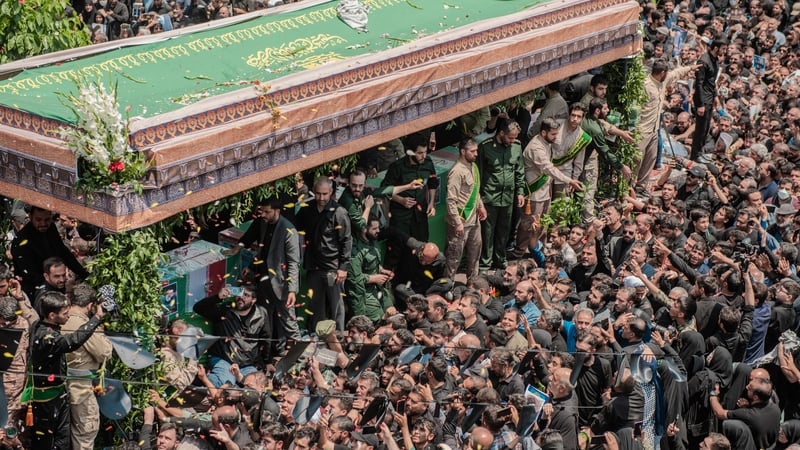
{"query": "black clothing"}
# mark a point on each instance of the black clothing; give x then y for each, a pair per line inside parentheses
(508, 386)
(782, 319)
(228, 323)
(592, 381)
(478, 329)
(623, 411)
(763, 421)
(329, 243)
(491, 311)
(30, 248)
(565, 419)
(48, 358)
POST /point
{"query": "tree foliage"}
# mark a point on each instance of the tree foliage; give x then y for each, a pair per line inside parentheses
(35, 27)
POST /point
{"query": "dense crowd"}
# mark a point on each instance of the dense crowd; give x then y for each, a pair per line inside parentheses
(665, 319)
(109, 20)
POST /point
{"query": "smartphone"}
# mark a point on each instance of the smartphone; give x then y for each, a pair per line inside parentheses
(505, 412)
(401, 407)
(369, 430)
(600, 439)
(637, 429)
(235, 291)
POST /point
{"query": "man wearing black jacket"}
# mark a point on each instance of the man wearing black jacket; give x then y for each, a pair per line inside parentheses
(35, 242)
(246, 330)
(48, 361)
(705, 89)
(329, 245)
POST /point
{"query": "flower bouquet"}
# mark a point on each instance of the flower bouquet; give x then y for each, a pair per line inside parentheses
(99, 139)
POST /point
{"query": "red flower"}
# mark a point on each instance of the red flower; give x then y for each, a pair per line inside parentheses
(116, 166)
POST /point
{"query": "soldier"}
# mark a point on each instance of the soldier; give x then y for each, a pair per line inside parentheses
(359, 202)
(502, 187)
(593, 125)
(82, 364)
(538, 172)
(465, 210)
(411, 208)
(367, 281)
(48, 361)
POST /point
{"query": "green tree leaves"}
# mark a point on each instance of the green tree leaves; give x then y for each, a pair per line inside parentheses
(35, 27)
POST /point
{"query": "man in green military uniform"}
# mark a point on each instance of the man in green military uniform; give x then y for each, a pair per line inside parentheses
(411, 209)
(367, 293)
(359, 203)
(593, 125)
(502, 187)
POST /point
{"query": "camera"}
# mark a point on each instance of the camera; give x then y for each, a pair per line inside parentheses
(665, 331)
(106, 295)
(11, 432)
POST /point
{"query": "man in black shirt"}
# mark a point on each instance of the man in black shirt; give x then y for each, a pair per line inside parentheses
(594, 377)
(329, 246)
(48, 360)
(756, 424)
(35, 242)
(473, 324)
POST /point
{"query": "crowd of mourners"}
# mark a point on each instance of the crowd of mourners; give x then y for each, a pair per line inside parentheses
(109, 20)
(666, 318)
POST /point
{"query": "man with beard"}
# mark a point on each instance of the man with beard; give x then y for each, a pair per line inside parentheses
(694, 191)
(48, 350)
(411, 208)
(55, 278)
(539, 170)
(593, 379)
(562, 413)
(619, 247)
(654, 86)
(704, 94)
(523, 301)
(35, 242)
(329, 248)
(359, 203)
(598, 111)
(465, 211)
(588, 266)
(276, 266)
(755, 423)
(502, 186)
(245, 332)
(367, 282)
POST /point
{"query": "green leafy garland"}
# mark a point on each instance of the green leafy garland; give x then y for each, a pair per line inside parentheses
(625, 95)
(129, 261)
(563, 212)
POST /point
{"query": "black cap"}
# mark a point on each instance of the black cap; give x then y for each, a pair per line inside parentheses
(369, 439)
(368, 354)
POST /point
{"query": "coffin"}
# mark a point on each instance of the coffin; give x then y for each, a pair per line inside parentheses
(201, 114)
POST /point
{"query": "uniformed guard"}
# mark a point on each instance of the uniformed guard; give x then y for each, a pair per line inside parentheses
(502, 188)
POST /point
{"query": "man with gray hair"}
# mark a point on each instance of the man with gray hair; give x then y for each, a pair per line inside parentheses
(82, 364)
(328, 249)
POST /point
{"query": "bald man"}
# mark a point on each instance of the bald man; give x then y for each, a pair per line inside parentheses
(756, 420)
(523, 301)
(479, 438)
(562, 413)
(421, 266)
